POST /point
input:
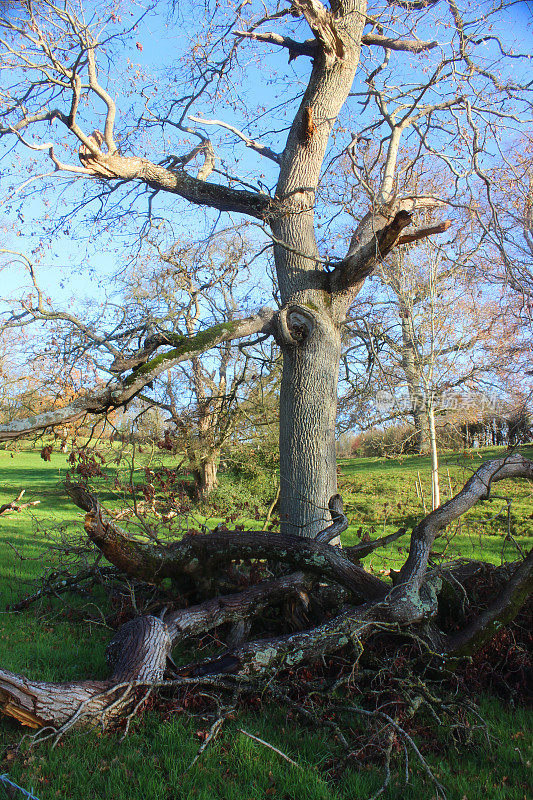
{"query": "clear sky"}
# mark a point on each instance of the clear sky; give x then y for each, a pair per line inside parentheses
(77, 260)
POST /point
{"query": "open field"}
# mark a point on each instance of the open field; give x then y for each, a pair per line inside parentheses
(65, 640)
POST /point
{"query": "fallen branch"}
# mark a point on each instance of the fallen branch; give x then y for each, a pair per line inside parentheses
(358, 551)
(16, 506)
(271, 747)
(56, 584)
(138, 655)
(212, 734)
(200, 556)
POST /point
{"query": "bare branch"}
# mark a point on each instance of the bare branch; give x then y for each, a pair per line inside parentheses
(307, 48)
(186, 347)
(106, 97)
(406, 45)
(195, 190)
(257, 146)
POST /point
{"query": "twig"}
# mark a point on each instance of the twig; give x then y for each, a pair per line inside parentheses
(133, 712)
(271, 747)
(405, 736)
(316, 720)
(271, 509)
(422, 493)
(58, 585)
(257, 146)
(386, 780)
(211, 736)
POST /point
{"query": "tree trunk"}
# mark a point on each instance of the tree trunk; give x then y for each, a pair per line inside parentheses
(308, 401)
(413, 380)
(435, 486)
(206, 475)
(421, 434)
(308, 408)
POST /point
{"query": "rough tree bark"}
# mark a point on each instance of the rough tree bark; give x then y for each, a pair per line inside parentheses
(309, 331)
(206, 474)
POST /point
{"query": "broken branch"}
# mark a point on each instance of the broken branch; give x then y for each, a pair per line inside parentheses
(16, 506)
(423, 233)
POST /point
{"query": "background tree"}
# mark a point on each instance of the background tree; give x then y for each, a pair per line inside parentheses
(431, 335)
(187, 289)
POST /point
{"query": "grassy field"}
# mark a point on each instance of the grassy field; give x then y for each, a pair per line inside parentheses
(65, 640)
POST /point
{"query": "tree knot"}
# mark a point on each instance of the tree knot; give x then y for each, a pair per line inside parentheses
(294, 325)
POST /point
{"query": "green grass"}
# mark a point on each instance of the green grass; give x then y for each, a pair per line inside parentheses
(152, 763)
(65, 640)
(380, 495)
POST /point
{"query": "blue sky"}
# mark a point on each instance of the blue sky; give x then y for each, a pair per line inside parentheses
(78, 261)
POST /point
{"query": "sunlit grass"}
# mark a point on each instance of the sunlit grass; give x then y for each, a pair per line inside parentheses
(65, 639)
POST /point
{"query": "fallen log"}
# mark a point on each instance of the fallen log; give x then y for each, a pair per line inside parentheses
(138, 655)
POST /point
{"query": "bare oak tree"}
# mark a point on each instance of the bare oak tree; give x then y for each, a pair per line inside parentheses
(424, 71)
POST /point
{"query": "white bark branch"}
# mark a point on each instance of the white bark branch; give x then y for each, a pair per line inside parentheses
(257, 146)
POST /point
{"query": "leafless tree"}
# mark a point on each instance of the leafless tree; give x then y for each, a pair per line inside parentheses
(187, 289)
(430, 338)
(374, 69)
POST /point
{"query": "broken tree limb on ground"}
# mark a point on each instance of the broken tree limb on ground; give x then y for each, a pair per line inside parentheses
(138, 654)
